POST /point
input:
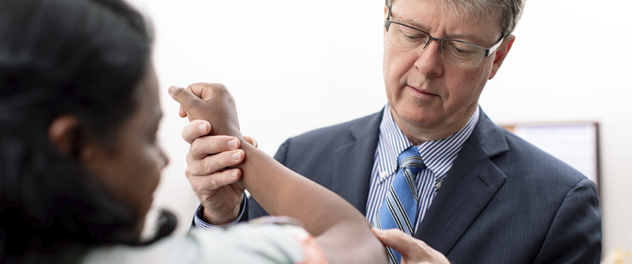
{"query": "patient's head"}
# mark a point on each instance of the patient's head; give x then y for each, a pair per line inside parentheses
(79, 112)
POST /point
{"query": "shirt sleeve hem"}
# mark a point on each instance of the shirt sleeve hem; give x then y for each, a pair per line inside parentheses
(200, 223)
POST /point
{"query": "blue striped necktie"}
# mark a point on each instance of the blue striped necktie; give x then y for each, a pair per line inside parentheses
(399, 208)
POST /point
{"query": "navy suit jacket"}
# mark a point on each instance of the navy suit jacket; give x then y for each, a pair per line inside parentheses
(503, 200)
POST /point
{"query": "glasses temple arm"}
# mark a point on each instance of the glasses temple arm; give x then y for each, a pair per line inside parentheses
(494, 48)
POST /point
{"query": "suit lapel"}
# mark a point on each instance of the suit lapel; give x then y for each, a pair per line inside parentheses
(353, 162)
(468, 187)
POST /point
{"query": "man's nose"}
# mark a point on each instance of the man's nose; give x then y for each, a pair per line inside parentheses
(429, 60)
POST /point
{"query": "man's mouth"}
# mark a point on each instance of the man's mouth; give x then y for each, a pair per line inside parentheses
(421, 91)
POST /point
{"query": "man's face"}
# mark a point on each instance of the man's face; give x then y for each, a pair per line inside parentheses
(429, 98)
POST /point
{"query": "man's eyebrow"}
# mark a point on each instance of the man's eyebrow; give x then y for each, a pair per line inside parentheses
(470, 38)
(414, 24)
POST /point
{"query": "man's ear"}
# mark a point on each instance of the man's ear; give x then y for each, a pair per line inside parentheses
(501, 54)
(64, 134)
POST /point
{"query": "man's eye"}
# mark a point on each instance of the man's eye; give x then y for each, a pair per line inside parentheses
(463, 48)
(460, 50)
(413, 36)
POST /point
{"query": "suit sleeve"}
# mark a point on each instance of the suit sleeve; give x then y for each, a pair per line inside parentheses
(575, 234)
(254, 210)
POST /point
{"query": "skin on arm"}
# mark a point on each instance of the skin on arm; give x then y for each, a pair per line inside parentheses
(342, 232)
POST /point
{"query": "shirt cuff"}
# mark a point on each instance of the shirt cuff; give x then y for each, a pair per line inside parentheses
(200, 223)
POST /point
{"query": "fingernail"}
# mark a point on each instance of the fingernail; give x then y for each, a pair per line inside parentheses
(203, 128)
(233, 144)
(234, 174)
(171, 88)
(236, 156)
(378, 231)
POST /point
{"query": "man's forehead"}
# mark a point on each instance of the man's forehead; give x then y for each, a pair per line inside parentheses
(458, 11)
(475, 7)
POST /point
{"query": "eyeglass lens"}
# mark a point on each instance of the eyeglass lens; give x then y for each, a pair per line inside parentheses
(453, 51)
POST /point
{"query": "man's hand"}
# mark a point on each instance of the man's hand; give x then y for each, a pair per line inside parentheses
(413, 251)
(217, 188)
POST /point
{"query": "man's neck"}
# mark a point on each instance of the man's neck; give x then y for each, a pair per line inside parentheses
(419, 134)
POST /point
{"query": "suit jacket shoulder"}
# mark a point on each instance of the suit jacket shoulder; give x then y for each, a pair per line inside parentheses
(503, 201)
(506, 201)
(310, 148)
(338, 157)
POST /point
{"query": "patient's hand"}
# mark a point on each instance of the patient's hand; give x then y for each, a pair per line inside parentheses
(209, 101)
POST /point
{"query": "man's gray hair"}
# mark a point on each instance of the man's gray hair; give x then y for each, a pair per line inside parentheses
(508, 11)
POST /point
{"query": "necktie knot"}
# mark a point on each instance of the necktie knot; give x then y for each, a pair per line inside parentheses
(400, 206)
(411, 160)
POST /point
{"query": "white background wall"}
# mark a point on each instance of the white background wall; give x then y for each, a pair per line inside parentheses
(298, 65)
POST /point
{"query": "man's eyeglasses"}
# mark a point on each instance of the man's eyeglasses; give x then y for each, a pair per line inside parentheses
(455, 52)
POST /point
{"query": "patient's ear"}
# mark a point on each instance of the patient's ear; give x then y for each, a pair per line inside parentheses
(71, 139)
(63, 133)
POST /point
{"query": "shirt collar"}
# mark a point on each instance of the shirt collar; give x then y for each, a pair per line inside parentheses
(437, 155)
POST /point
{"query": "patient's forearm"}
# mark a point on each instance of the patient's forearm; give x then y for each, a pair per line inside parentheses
(281, 191)
(342, 231)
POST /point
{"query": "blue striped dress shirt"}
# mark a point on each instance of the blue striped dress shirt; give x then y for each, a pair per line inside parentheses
(438, 157)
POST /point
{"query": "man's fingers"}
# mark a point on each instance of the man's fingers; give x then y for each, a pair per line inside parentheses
(393, 238)
(202, 184)
(399, 241)
(213, 163)
(223, 160)
(252, 141)
(210, 145)
(413, 250)
(195, 129)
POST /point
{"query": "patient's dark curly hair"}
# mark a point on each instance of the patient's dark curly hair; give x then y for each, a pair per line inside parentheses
(63, 57)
